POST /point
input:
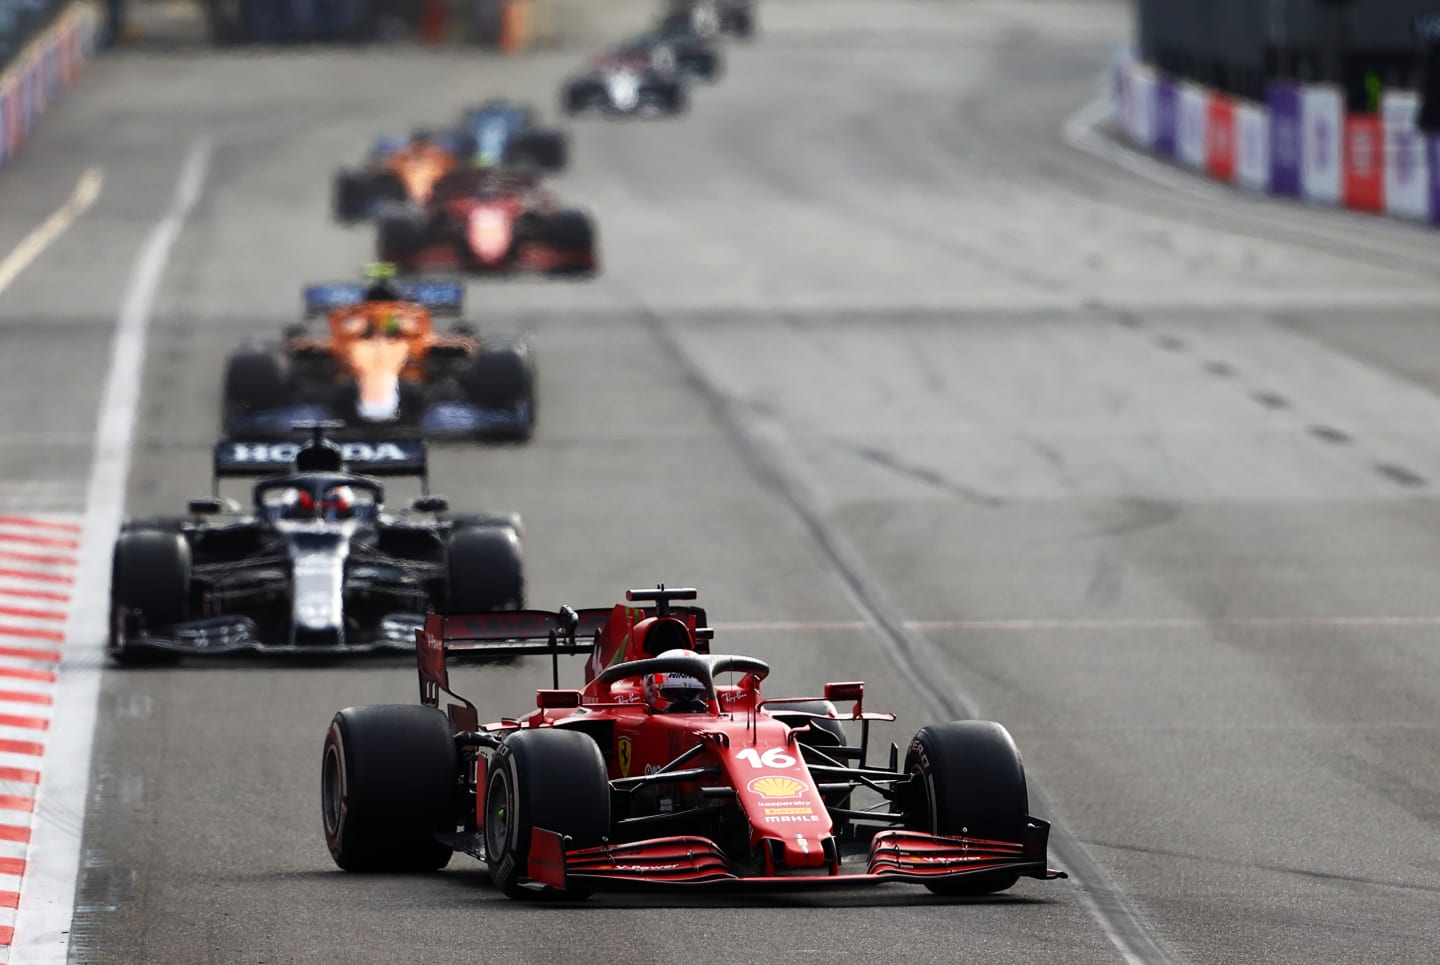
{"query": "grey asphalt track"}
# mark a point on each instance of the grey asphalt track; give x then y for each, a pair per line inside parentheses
(1004, 430)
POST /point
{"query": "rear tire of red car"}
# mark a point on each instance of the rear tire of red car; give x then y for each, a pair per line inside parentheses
(571, 233)
(388, 786)
(149, 586)
(972, 782)
(550, 779)
(484, 569)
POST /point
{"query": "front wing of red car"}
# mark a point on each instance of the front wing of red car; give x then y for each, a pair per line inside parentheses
(907, 856)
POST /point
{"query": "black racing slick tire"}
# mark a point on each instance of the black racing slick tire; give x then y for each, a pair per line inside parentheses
(350, 198)
(547, 150)
(570, 231)
(399, 239)
(707, 65)
(484, 570)
(254, 381)
(545, 778)
(500, 376)
(389, 783)
(740, 24)
(577, 96)
(971, 782)
(149, 590)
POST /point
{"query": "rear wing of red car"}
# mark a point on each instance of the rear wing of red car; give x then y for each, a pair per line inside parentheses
(457, 637)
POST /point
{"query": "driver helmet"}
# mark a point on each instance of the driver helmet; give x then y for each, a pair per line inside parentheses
(382, 284)
(672, 693)
(339, 502)
(297, 503)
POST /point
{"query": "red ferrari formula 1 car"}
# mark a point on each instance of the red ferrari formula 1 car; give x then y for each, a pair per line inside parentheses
(486, 221)
(657, 773)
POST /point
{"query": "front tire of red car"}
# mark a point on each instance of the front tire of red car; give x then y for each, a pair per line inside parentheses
(550, 779)
(388, 786)
(971, 783)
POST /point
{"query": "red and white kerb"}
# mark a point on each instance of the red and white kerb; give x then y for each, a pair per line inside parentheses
(37, 573)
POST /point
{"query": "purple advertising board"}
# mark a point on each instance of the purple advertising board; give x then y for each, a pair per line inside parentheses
(1283, 101)
(29, 96)
(1166, 119)
(52, 70)
(1432, 153)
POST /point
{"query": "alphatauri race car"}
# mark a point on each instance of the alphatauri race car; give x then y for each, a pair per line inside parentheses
(711, 18)
(657, 773)
(625, 84)
(318, 565)
(381, 368)
(490, 222)
(676, 50)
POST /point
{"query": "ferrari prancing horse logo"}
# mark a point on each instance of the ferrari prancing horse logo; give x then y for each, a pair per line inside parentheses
(623, 753)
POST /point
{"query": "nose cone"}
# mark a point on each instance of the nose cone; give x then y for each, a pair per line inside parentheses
(378, 364)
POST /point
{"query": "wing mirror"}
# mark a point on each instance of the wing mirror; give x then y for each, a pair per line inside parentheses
(557, 699)
(209, 507)
(430, 504)
(848, 690)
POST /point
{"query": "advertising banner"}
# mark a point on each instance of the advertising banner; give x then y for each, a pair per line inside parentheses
(29, 96)
(1322, 127)
(1220, 138)
(4, 119)
(1283, 105)
(1166, 117)
(1137, 105)
(1252, 164)
(1364, 163)
(1407, 192)
(1123, 94)
(14, 114)
(1432, 168)
(1193, 108)
(68, 60)
(51, 68)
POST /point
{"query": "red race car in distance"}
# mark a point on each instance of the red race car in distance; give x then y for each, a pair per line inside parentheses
(488, 221)
(657, 773)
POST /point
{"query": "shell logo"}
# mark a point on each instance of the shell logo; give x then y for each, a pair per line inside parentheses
(775, 786)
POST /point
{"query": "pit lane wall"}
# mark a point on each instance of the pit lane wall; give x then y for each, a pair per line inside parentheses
(32, 83)
(1300, 143)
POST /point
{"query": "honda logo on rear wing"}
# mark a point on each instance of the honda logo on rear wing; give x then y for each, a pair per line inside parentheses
(401, 457)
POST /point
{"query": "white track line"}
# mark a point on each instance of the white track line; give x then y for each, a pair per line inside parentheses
(47, 900)
(87, 191)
